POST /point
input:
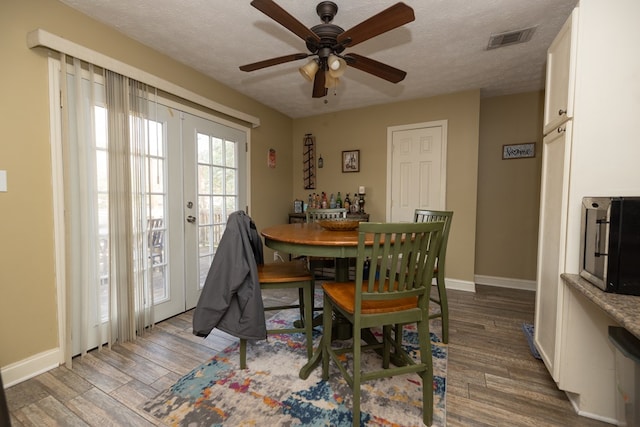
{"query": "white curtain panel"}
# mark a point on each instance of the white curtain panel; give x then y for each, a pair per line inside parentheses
(105, 131)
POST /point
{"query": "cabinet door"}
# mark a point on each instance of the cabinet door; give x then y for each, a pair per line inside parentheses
(559, 83)
(556, 158)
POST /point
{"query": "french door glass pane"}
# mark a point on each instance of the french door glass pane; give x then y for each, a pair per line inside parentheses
(217, 194)
(156, 197)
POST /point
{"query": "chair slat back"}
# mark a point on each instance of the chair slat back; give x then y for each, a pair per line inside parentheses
(424, 215)
(402, 259)
(314, 215)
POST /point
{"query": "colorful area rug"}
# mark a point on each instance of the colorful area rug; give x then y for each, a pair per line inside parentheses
(270, 393)
(528, 330)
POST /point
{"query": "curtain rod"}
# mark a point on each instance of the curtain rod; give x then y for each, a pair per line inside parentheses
(40, 37)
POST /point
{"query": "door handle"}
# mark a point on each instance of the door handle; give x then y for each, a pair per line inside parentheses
(191, 219)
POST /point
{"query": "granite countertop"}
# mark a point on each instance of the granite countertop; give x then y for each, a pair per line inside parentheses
(624, 309)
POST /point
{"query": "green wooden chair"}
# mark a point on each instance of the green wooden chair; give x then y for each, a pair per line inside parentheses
(286, 275)
(423, 215)
(408, 253)
(318, 264)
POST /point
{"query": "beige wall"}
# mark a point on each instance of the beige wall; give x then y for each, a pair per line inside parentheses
(508, 190)
(365, 129)
(28, 311)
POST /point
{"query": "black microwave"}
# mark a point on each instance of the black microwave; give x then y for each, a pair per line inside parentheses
(610, 243)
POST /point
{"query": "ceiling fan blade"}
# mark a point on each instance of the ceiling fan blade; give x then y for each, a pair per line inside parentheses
(318, 84)
(374, 67)
(273, 61)
(390, 18)
(281, 16)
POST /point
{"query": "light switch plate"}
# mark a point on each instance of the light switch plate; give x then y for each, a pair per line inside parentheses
(3, 181)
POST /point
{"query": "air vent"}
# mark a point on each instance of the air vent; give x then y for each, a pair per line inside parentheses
(510, 37)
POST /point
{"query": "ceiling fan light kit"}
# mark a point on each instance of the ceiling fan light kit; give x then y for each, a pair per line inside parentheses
(327, 41)
(331, 82)
(337, 66)
(309, 70)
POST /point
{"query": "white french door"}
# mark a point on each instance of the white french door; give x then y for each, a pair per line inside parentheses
(196, 176)
(207, 180)
(193, 174)
(215, 185)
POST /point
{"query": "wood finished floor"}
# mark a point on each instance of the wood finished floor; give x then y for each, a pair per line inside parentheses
(492, 379)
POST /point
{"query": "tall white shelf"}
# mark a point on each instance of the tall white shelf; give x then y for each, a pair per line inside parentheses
(591, 148)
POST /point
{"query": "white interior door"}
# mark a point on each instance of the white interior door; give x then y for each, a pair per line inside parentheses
(215, 185)
(416, 176)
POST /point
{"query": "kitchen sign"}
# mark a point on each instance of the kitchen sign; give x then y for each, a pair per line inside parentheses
(518, 151)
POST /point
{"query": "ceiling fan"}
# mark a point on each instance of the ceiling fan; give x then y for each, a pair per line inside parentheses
(327, 41)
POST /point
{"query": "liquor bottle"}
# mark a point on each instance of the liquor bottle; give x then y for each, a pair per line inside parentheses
(339, 201)
(332, 201)
(347, 203)
(324, 202)
(355, 207)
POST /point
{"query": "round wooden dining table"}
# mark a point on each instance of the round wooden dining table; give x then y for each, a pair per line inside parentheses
(310, 239)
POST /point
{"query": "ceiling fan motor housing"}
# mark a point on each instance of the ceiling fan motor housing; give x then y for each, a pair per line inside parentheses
(326, 10)
(328, 34)
(326, 31)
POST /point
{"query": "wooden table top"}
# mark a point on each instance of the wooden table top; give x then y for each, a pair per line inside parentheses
(310, 234)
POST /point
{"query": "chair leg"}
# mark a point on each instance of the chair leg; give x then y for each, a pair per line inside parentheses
(386, 345)
(327, 323)
(444, 306)
(243, 353)
(427, 375)
(357, 373)
(307, 296)
(302, 301)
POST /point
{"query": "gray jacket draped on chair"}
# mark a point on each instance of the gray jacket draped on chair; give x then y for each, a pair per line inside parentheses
(231, 299)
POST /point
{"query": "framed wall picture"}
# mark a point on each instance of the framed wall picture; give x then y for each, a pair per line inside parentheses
(518, 151)
(351, 161)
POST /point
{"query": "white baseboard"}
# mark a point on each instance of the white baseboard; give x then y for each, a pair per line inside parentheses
(575, 399)
(460, 285)
(28, 368)
(505, 282)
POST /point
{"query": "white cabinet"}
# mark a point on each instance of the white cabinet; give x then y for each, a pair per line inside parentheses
(554, 190)
(556, 162)
(559, 84)
(592, 76)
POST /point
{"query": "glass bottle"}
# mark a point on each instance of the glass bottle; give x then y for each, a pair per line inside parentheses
(339, 201)
(332, 201)
(347, 203)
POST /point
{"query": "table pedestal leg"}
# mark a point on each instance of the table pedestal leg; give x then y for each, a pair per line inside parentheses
(342, 269)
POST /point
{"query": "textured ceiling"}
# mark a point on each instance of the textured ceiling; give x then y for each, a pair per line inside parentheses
(442, 51)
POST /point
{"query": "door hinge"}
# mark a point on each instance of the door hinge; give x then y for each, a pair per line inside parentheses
(246, 147)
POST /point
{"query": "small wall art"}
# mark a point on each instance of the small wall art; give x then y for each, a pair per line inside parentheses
(351, 161)
(518, 151)
(271, 158)
(309, 161)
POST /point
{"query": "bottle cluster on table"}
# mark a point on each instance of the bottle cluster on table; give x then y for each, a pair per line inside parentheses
(332, 201)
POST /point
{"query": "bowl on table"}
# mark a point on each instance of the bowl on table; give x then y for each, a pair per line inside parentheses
(341, 224)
